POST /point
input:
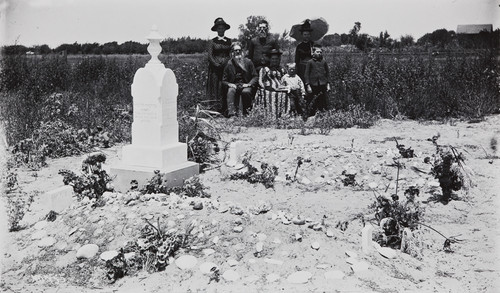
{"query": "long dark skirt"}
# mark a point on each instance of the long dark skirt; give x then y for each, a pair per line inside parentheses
(216, 95)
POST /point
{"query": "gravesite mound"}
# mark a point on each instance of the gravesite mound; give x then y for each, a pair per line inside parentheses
(403, 206)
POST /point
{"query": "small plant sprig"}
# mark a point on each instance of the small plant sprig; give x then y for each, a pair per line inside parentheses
(266, 176)
(93, 182)
(405, 152)
(449, 168)
(192, 187)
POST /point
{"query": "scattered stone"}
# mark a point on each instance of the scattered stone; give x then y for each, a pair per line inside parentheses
(373, 185)
(330, 233)
(206, 267)
(38, 235)
(315, 245)
(272, 278)
(186, 262)
(40, 225)
(300, 277)
(47, 242)
(232, 262)
(73, 231)
(239, 247)
(208, 251)
(215, 240)
(148, 217)
(230, 275)
(129, 255)
(238, 221)
(304, 180)
(238, 229)
(198, 206)
(252, 279)
(360, 266)
(273, 261)
(107, 255)
(298, 237)
(298, 220)
(285, 221)
(61, 245)
(387, 252)
(87, 251)
(223, 208)
(317, 227)
(259, 247)
(237, 211)
(334, 275)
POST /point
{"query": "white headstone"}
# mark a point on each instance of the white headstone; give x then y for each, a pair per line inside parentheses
(155, 130)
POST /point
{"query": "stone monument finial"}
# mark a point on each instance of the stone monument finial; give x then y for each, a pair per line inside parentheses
(154, 47)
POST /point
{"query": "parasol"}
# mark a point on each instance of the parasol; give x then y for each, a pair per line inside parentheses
(319, 28)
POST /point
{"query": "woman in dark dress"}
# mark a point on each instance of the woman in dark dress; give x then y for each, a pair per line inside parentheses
(218, 56)
(303, 53)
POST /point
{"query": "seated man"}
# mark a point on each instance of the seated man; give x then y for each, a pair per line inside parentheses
(240, 77)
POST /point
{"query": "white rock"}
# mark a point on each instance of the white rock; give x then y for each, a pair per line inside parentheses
(300, 277)
(315, 245)
(38, 235)
(251, 279)
(372, 185)
(47, 242)
(273, 261)
(304, 180)
(334, 275)
(107, 255)
(230, 275)
(330, 233)
(208, 251)
(87, 251)
(129, 255)
(186, 262)
(238, 229)
(387, 252)
(40, 225)
(360, 266)
(206, 267)
(259, 246)
(215, 240)
(232, 262)
(272, 277)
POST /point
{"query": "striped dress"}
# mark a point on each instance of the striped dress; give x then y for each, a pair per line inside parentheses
(271, 94)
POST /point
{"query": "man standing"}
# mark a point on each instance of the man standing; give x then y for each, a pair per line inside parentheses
(261, 45)
(240, 77)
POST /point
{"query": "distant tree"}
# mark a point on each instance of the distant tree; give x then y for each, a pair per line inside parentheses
(131, 47)
(110, 48)
(74, 48)
(14, 50)
(93, 48)
(439, 38)
(249, 29)
(407, 40)
(41, 49)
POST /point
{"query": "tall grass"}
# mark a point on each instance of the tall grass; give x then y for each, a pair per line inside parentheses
(95, 91)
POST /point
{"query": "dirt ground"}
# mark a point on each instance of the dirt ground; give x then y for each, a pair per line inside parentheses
(318, 195)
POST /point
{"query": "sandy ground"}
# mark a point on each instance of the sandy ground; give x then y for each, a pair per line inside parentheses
(319, 195)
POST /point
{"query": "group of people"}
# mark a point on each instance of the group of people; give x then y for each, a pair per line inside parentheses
(237, 82)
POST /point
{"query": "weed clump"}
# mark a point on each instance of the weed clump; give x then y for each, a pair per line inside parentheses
(92, 182)
(266, 175)
(192, 187)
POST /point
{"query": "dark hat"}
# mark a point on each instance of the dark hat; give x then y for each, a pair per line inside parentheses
(274, 52)
(306, 26)
(219, 21)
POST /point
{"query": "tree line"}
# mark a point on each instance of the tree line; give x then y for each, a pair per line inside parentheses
(440, 39)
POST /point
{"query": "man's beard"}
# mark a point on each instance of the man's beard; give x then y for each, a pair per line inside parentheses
(239, 59)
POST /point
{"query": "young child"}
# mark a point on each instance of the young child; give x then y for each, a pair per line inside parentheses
(316, 79)
(296, 89)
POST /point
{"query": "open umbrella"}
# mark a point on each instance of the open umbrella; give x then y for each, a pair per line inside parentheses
(318, 26)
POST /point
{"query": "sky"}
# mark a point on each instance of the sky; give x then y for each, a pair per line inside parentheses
(55, 22)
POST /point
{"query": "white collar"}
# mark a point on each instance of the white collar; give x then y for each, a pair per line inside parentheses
(221, 38)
